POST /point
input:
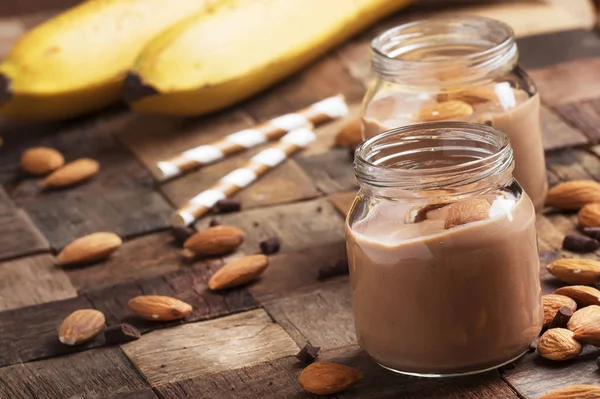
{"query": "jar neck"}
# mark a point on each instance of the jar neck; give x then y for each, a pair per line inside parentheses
(445, 52)
(422, 159)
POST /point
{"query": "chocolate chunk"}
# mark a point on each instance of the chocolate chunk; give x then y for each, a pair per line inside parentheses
(270, 245)
(120, 334)
(214, 222)
(563, 315)
(228, 205)
(579, 243)
(593, 232)
(340, 268)
(180, 234)
(308, 354)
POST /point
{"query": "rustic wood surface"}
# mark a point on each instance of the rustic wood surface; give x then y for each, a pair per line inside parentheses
(240, 343)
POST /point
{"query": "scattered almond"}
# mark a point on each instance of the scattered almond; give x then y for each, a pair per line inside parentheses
(589, 215)
(240, 271)
(585, 325)
(552, 302)
(558, 344)
(472, 95)
(444, 111)
(41, 160)
(467, 211)
(573, 195)
(582, 294)
(575, 392)
(350, 135)
(159, 308)
(90, 248)
(81, 326)
(325, 378)
(72, 173)
(576, 271)
(217, 240)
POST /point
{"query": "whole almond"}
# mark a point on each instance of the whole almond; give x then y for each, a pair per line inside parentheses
(443, 111)
(552, 302)
(350, 135)
(159, 308)
(558, 344)
(576, 271)
(575, 392)
(72, 173)
(90, 248)
(585, 325)
(81, 326)
(473, 95)
(217, 240)
(467, 211)
(41, 160)
(582, 294)
(573, 195)
(589, 215)
(325, 378)
(240, 271)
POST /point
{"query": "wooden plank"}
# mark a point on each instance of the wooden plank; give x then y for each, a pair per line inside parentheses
(31, 333)
(100, 373)
(574, 164)
(195, 349)
(18, 235)
(323, 317)
(585, 115)
(557, 134)
(568, 82)
(343, 201)
(299, 226)
(189, 285)
(143, 257)
(32, 280)
(331, 171)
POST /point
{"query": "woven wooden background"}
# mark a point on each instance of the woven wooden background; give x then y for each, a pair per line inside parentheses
(240, 344)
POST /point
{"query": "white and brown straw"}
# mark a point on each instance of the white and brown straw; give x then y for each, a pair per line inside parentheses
(320, 112)
(233, 182)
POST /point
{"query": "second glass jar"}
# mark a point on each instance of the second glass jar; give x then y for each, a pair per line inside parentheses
(462, 69)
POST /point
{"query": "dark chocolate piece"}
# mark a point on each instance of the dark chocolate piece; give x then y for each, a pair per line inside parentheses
(340, 268)
(308, 354)
(214, 222)
(579, 243)
(593, 232)
(120, 334)
(180, 234)
(563, 315)
(270, 245)
(228, 205)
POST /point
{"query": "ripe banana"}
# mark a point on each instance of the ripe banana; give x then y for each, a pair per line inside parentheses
(76, 62)
(212, 60)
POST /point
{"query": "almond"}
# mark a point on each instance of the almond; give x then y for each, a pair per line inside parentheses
(572, 195)
(582, 294)
(444, 111)
(350, 135)
(467, 211)
(575, 392)
(159, 308)
(72, 173)
(81, 326)
(90, 248)
(41, 160)
(240, 271)
(576, 271)
(585, 325)
(589, 215)
(472, 95)
(325, 378)
(217, 240)
(552, 302)
(558, 344)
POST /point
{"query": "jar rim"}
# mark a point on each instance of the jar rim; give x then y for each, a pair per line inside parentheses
(493, 146)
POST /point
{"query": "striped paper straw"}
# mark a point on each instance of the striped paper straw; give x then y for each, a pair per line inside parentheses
(233, 182)
(323, 111)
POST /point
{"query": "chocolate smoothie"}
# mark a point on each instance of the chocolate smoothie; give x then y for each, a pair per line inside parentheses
(508, 109)
(431, 297)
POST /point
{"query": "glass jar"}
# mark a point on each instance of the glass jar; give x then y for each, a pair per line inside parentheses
(442, 251)
(462, 69)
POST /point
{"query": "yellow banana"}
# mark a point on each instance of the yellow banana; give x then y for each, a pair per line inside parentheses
(212, 60)
(76, 62)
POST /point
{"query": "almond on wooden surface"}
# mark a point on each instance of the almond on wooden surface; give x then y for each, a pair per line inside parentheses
(574, 392)
(575, 271)
(582, 294)
(81, 326)
(41, 160)
(558, 344)
(585, 325)
(325, 378)
(159, 308)
(574, 194)
(239, 272)
(213, 241)
(90, 248)
(589, 215)
(72, 173)
(552, 303)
